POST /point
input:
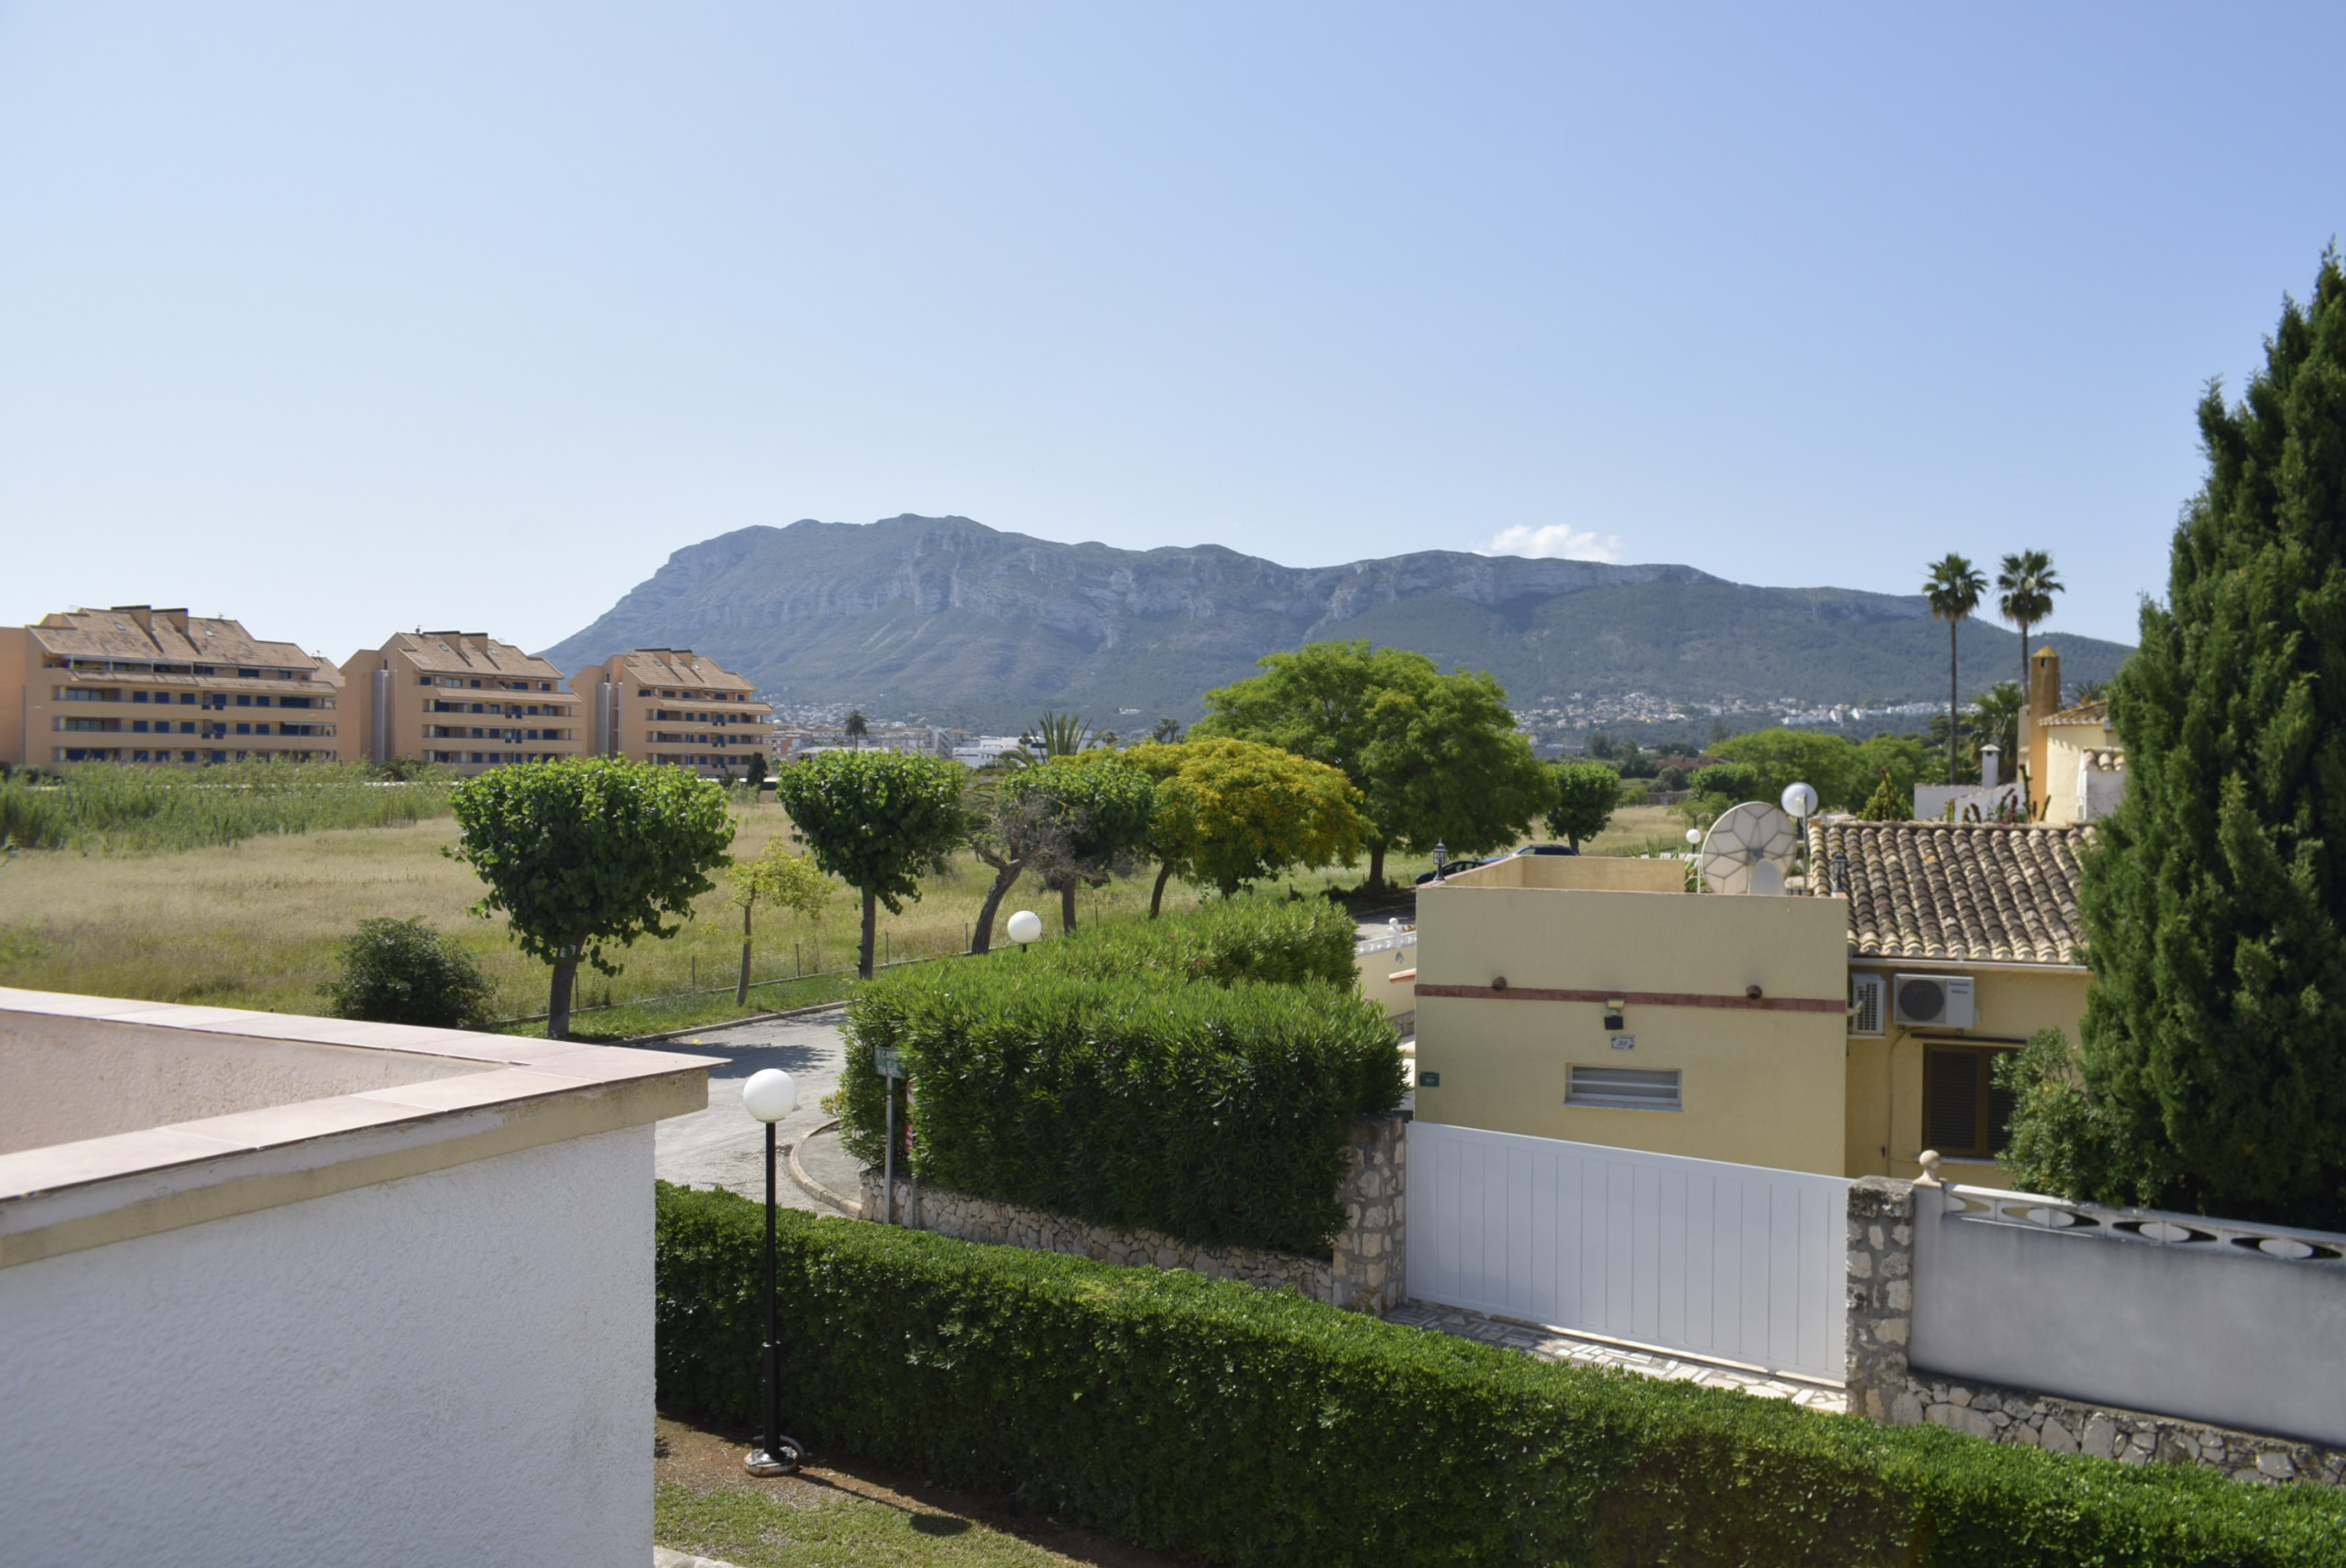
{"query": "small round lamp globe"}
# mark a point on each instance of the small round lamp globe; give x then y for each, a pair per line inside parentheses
(770, 1094)
(1024, 926)
(1799, 800)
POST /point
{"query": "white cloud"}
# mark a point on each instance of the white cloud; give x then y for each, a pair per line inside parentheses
(1556, 539)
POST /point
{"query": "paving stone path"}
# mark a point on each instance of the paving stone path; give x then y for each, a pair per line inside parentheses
(1551, 1344)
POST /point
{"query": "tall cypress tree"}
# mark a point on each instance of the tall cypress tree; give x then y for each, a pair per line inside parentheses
(2213, 1061)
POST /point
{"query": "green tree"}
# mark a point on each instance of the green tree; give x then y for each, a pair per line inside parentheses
(876, 820)
(1952, 588)
(1825, 762)
(1586, 795)
(403, 972)
(1995, 721)
(779, 879)
(1007, 831)
(583, 856)
(1907, 761)
(856, 729)
(1436, 757)
(2211, 1071)
(1229, 812)
(757, 773)
(1099, 812)
(2025, 589)
(1888, 803)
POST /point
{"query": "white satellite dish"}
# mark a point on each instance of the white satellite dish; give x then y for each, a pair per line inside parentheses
(1748, 849)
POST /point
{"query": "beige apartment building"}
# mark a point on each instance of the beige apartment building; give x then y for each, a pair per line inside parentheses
(134, 684)
(459, 698)
(670, 705)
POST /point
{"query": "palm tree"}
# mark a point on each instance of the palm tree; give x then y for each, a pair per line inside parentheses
(1995, 719)
(1954, 589)
(1064, 734)
(858, 726)
(2026, 584)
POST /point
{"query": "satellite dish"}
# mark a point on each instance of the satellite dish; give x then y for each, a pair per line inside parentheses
(1748, 849)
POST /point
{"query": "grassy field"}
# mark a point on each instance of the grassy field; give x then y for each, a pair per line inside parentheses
(258, 924)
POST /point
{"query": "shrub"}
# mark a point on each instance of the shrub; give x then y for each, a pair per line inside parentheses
(1222, 1116)
(403, 972)
(1252, 1427)
(1276, 941)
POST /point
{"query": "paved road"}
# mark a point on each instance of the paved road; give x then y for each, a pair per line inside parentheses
(724, 1145)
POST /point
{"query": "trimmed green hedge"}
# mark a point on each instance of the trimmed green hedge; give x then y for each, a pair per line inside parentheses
(1219, 1114)
(1250, 1426)
(1276, 941)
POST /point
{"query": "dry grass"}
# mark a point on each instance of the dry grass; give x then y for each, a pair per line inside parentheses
(259, 924)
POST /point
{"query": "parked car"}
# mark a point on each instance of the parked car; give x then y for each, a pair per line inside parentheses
(1547, 850)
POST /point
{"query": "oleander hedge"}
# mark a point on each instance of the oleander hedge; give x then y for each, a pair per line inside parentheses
(1195, 1076)
(1279, 941)
(1249, 1427)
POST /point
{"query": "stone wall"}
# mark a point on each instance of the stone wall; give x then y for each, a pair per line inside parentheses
(1883, 1385)
(1365, 1275)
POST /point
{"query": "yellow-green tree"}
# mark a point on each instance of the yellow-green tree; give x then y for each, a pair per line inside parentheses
(1232, 812)
(779, 879)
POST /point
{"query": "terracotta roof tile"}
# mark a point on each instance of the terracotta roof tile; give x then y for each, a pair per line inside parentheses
(1975, 891)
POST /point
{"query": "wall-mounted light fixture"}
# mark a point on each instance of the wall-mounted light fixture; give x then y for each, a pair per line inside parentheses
(1613, 1013)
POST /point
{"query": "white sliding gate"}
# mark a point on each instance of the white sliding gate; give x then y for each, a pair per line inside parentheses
(1733, 1262)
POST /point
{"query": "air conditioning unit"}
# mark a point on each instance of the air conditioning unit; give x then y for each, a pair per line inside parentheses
(1869, 998)
(1933, 1001)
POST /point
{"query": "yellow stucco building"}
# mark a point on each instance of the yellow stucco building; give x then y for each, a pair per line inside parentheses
(671, 706)
(135, 684)
(1842, 1033)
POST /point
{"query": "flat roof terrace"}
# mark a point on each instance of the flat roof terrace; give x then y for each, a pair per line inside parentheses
(123, 1118)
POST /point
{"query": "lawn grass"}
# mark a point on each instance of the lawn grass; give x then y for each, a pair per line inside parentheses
(846, 1531)
(259, 924)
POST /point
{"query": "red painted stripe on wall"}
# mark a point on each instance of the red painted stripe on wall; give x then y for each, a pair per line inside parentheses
(1639, 998)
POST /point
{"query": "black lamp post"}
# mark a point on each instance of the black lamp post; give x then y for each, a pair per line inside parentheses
(1440, 857)
(770, 1095)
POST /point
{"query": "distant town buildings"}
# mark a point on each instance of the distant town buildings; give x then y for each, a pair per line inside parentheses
(134, 684)
(462, 699)
(670, 705)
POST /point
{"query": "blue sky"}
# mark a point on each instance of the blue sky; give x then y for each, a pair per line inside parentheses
(343, 320)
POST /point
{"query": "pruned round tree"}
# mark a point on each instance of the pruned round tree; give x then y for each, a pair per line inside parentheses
(585, 856)
(1586, 796)
(1097, 812)
(1229, 812)
(876, 820)
(2211, 1074)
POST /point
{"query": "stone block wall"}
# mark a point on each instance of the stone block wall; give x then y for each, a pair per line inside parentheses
(1366, 1274)
(1883, 1385)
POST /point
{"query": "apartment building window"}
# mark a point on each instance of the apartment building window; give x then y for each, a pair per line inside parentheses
(1964, 1112)
(248, 674)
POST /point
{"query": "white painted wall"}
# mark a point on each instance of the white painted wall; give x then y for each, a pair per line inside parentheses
(453, 1367)
(2209, 1329)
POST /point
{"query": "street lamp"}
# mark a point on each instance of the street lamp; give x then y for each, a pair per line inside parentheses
(1440, 857)
(1024, 926)
(1799, 801)
(770, 1095)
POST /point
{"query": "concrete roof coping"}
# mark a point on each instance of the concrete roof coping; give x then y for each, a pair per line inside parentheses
(499, 1094)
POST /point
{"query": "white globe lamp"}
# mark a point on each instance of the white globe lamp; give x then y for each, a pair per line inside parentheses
(1799, 802)
(1025, 927)
(770, 1095)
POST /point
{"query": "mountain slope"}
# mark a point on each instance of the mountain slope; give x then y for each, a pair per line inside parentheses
(945, 620)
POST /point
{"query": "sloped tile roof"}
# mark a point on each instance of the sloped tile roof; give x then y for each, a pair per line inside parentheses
(2095, 712)
(1973, 891)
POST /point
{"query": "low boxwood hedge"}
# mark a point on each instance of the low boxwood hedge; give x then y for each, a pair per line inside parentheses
(1128, 1093)
(1280, 941)
(1249, 1427)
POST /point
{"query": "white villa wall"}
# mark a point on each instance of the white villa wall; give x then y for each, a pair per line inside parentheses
(2042, 1294)
(450, 1368)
